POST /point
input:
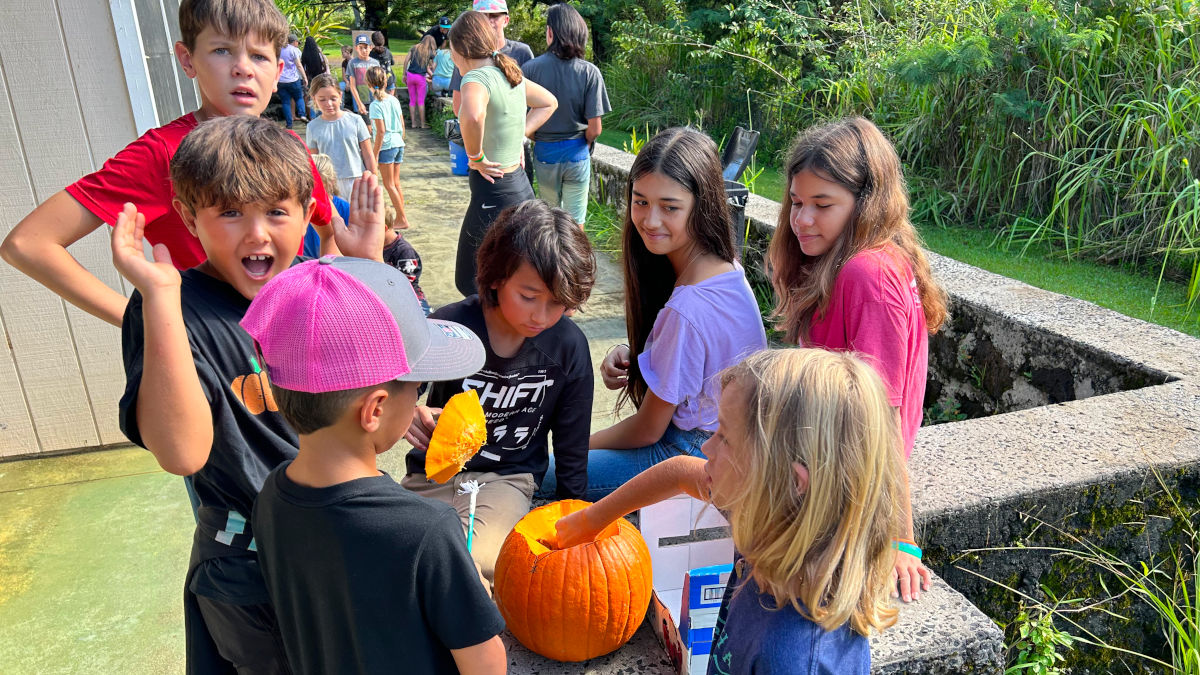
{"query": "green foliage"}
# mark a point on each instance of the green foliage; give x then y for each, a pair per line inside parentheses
(305, 19)
(1068, 124)
(1037, 645)
(527, 23)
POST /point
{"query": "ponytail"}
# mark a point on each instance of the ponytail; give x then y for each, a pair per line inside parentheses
(472, 37)
(508, 66)
(377, 81)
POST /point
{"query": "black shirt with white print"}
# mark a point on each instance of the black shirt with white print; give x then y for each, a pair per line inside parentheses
(544, 389)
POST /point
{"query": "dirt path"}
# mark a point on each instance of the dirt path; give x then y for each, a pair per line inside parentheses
(435, 201)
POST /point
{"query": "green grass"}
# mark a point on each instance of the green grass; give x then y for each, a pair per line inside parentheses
(1119, 289)
(334, 53)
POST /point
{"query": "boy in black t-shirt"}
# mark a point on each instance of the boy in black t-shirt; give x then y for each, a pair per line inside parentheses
(195, 394)
(534, 264)
(365, 576)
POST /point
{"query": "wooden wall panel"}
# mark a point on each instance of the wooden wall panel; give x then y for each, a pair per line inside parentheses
(40, 152)
(108, 121)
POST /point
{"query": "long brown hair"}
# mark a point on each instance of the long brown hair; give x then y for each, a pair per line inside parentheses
(473, 38)
(424, 50)
(854, 154)
(689, 158)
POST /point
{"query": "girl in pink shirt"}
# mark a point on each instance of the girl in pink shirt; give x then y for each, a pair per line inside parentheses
(849, 272)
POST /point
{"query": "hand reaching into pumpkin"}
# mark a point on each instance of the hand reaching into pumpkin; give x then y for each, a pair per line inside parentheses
(577, 528)
(363, 235)
(421, 429)
(130, 259)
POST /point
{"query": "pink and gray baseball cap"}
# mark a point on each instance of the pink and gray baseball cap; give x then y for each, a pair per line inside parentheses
(342, 323)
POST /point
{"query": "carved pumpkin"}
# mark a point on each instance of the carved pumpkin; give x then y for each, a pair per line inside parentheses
(461, 430)
(577, 603)
(254, 391)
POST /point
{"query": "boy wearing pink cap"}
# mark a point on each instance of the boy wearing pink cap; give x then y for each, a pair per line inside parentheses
(195, 394)
(365, 576)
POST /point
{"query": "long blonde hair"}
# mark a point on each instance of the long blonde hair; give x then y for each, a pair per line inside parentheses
(827, 552)
(855, 154)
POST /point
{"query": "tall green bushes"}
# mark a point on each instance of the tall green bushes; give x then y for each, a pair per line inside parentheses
(1074, 123)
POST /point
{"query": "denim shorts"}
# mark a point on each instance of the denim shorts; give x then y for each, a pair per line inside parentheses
(392, 155)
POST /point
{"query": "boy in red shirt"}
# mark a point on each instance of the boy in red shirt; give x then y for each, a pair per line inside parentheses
(232, 51)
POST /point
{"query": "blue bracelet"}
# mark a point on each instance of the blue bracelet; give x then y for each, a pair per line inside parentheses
(911, 549)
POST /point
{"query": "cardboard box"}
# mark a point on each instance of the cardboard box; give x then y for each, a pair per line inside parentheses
(684, 534)
(703, 591)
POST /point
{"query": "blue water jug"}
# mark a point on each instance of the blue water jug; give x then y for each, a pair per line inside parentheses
(458, 153)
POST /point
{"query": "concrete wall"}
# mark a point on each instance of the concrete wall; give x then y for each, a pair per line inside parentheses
(67, 70)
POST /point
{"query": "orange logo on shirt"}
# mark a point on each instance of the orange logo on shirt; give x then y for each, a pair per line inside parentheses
(254, 391)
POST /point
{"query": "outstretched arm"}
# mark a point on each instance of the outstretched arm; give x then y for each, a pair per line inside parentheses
(678, 475)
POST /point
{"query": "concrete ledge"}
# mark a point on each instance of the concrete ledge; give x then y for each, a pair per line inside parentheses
(941, 633)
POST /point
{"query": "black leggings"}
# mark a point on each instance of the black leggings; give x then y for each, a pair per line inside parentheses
(487, 201)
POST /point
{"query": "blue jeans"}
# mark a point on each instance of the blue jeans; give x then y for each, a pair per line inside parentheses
(391, 155)
(610, 469)
(288, 92)
(565, 185)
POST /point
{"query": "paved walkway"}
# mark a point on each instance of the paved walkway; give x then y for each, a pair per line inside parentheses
(93, 547)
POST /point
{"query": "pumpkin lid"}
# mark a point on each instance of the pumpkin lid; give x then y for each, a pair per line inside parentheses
(460, 432)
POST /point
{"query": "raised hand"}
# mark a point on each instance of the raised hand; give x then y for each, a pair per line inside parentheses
(363, 235)
(130, 258)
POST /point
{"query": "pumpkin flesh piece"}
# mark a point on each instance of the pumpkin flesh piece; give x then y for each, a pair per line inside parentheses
(460, 432)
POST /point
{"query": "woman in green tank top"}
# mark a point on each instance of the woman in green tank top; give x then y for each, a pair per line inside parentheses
(494, 122)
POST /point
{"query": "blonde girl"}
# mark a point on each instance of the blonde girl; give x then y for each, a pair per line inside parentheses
(343, 137)
(387, 116)
(849, 274)
(804, 466)
(689, 311)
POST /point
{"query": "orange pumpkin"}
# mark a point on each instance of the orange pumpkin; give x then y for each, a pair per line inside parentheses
(254, 391)
(461, 430)
(577, 603)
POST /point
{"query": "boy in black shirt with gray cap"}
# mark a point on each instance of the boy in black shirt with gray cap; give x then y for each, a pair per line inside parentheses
(365, 576)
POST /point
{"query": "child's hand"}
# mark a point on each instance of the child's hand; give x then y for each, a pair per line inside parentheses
(614, 370)
(488, 169)
(363, 235)
(421, 429)
(910, 576)
(130, 259)
(576, 528)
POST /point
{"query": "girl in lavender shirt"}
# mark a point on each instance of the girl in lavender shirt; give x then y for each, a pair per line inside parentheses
(689, 311)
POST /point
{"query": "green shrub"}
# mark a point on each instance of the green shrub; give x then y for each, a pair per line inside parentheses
(1073, 124)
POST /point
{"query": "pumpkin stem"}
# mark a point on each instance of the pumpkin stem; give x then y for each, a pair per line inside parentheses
(254, 364)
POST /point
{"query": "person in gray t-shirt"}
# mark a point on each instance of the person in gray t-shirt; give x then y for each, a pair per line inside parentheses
(562, 156)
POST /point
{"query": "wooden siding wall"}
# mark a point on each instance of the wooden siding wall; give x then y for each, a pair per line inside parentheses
(65, 110)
